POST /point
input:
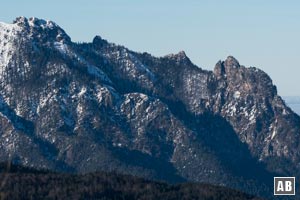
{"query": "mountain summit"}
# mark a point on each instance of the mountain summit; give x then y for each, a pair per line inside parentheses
(99, 106)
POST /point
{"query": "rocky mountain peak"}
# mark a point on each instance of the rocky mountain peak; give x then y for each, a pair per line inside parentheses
(21, 21)
(231, 62)
(227, 67)
(181, 54)
(179, 58)
(35, 22)
(99, 41)
(46, 29)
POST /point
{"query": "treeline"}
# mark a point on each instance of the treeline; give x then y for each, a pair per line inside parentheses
(24, 183)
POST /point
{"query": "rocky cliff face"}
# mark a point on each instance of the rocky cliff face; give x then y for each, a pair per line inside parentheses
(99, 106)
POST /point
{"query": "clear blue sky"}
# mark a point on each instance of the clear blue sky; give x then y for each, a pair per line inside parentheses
(264, 34)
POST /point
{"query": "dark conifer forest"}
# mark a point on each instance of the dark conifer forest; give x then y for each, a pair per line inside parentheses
(18, 182)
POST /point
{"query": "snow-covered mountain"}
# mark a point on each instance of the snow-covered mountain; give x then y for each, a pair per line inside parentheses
(100, 106)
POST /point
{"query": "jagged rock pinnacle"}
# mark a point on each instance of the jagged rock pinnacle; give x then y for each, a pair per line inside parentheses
(231, 62)
(219, 69)
(99, 41)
